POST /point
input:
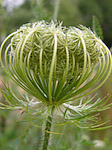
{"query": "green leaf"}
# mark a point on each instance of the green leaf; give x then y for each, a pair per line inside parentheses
(96, 27)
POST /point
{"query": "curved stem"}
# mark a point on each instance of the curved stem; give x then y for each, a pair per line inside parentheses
(52, 69)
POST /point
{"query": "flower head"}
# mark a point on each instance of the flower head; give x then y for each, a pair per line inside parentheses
(56, 64)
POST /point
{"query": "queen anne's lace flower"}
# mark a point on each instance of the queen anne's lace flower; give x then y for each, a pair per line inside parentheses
(56, 65)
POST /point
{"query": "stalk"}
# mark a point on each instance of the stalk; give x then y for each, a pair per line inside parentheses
(46, 135)
(56, 9)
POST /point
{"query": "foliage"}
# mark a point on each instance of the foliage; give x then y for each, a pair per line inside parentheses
(96, 27)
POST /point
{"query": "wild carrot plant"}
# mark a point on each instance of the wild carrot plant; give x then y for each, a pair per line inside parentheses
(59, 68)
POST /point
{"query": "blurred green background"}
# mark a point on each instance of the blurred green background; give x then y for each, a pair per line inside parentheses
(16, 135)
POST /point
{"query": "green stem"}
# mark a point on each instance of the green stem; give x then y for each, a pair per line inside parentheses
(46, 132)
(56, 9)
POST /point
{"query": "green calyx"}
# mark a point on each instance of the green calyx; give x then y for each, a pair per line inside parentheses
(52, 62)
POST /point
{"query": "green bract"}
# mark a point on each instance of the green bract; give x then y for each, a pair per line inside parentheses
(56, 65)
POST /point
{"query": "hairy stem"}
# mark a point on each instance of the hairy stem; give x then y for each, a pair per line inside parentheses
(46, 132)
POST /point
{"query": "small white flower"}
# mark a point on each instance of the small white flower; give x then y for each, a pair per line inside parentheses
(99, 144)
